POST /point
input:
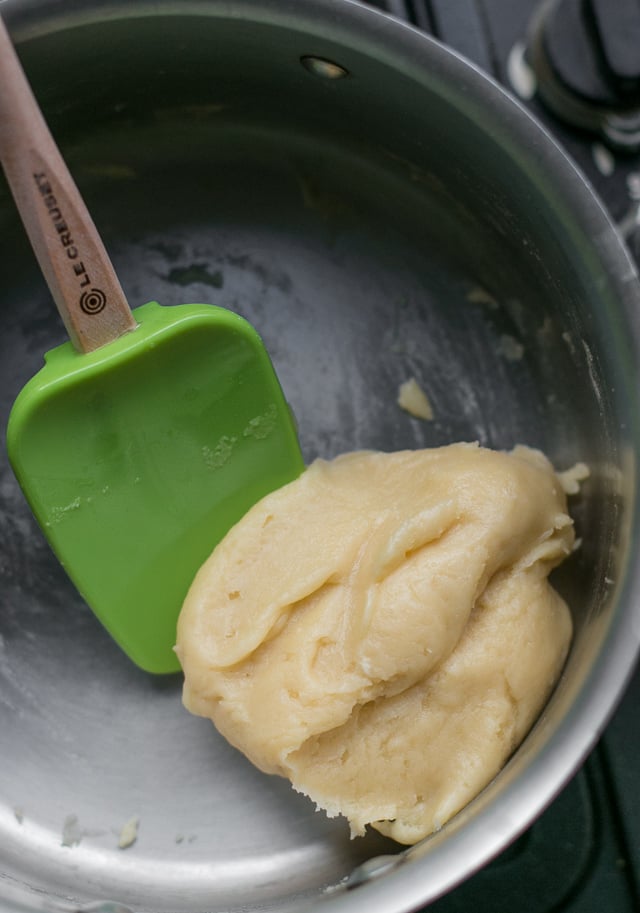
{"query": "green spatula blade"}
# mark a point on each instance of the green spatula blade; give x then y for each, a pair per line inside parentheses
(136, 459)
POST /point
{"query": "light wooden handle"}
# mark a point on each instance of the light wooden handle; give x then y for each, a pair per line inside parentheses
(71, 255)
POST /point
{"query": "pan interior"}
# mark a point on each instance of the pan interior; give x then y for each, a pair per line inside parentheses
(361, 265)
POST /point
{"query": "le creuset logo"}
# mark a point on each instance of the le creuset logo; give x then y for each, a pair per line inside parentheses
(91, 300)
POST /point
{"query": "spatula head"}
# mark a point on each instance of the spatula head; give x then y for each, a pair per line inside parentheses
(138, 458)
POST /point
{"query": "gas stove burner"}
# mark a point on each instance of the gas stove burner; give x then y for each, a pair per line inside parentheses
(586, 58)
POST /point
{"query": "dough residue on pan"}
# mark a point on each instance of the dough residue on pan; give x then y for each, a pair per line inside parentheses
(129, 833)
(71, 831)
(570, 479)
(510, 348)
(413, 399)
(382, 630)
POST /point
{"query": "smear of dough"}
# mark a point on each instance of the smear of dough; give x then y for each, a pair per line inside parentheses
(382, 631)
(510, 348)
(72, 833)
(413, 399)
(479, 295)
(570, 479)
(129, 833)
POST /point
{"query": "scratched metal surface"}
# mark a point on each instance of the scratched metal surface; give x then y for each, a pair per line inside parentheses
(359, 269)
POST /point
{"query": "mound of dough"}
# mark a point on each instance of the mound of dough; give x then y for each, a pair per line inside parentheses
(382, 632)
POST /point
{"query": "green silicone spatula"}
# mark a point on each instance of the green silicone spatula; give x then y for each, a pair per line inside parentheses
(144, 439)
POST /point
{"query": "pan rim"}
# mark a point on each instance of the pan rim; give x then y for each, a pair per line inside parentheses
(434, 873)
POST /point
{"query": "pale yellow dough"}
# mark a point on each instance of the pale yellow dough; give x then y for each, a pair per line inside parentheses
(382, 632)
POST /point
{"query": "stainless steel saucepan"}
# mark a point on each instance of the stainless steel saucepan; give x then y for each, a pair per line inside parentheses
(379, 209)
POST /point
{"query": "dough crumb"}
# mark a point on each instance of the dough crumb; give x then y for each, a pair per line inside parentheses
(479, 295)
(129, 833)
(510, 348)
(394, 635)
(71, 831)
(570, 479)
(18, 813)
(413, 399)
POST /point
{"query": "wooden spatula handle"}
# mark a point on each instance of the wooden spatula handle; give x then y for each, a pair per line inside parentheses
(70, 252)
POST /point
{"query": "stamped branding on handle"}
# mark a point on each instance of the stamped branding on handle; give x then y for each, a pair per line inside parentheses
(72, 257)
(92, 301)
